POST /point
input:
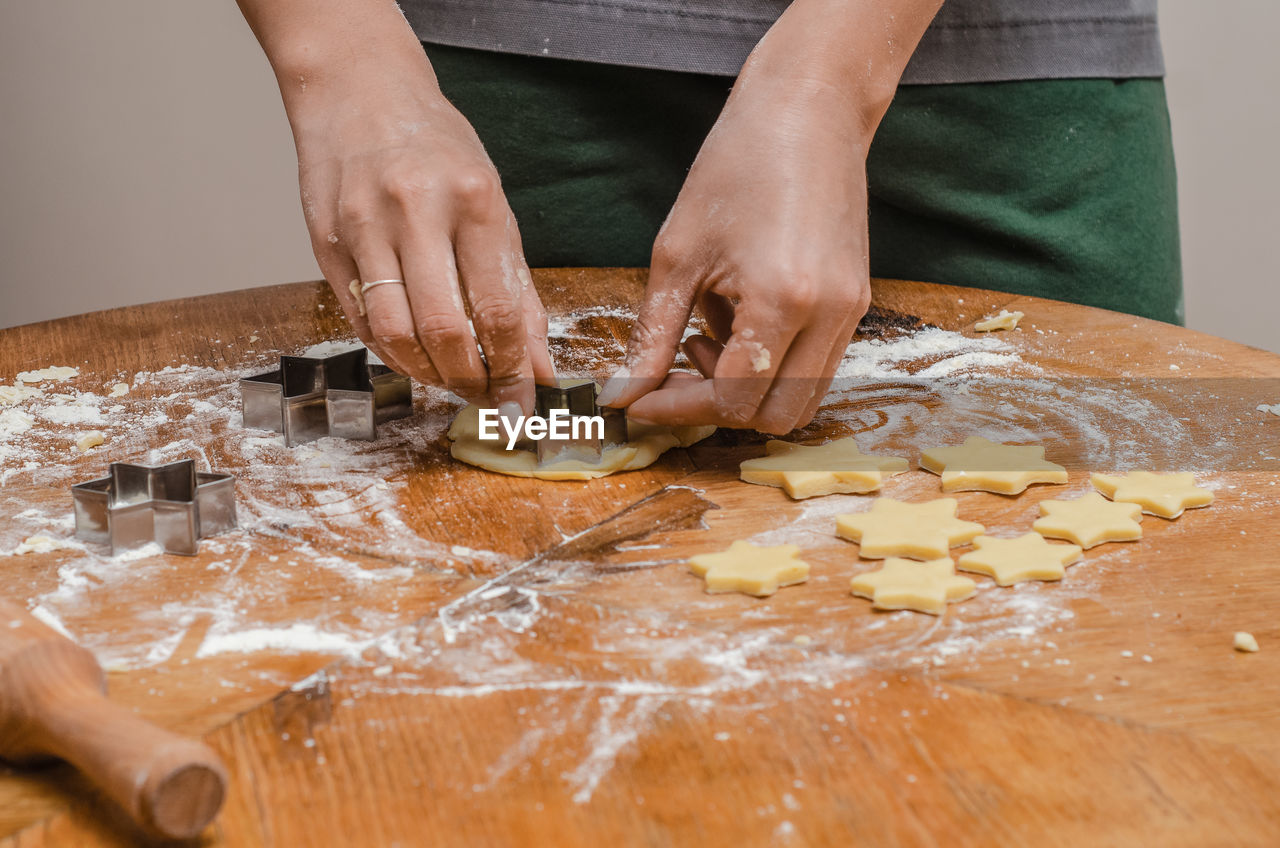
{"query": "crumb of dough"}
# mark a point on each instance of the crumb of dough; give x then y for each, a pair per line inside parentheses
(1274, 409)
(86, 442)
(40, 545)
(1245, 642)
(802, 639)
(118, 390)
(9, 395)
(762, 360)
(55, 372)
(354, 288)
(1006, 320)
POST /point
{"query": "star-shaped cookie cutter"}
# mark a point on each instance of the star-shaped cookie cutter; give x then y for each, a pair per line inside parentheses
(173, 504)
(310, 397)
(579, 398)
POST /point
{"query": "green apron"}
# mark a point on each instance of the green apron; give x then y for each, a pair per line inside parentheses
(1057, 188)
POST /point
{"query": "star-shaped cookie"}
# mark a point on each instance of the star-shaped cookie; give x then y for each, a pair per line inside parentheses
(1165, 495)
(751, 569)
(806, 471)
(1089, 520)
(921, 586)
(1009, 561)
(982, 465)
(916, 530)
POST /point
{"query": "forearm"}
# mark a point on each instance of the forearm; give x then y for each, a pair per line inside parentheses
(844, 57)
(328, 51)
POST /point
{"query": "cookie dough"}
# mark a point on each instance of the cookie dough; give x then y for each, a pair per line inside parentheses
(1245, 643)
(1006, 320)
(1010, 561)
(9, 395)
(88, 441)
(1165, 495)
(986, 466)
(920, 586)
(750, 569)
(648, 442)
(806, 471)
(118, 390)
(1089, 521)
(55, 372)
(917, 530)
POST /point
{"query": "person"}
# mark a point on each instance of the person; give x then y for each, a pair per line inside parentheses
(1019, 145)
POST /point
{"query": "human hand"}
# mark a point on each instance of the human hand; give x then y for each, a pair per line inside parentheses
(768, 238)
(396, 186)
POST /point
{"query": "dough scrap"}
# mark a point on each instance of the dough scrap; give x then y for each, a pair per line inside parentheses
(916, 530)
(982, 465)
(1010, 561)
(1245, 642)
(806, 471)
(1006, 320)
(1274, 409)
(920, 586)
(357, 292)
(647, 443)
(1165, 495)
(39, 544)
(88, 441)
(1089, 521)
(751, 569)
(55, 372)
(118, 390)
(9, 395)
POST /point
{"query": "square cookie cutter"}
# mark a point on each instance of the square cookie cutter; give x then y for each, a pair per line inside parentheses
(308, 397)
(172, 504)
(579, 398)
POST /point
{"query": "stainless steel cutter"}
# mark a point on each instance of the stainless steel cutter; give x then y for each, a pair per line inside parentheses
(172, 504)
(579, 398)
(308, 398)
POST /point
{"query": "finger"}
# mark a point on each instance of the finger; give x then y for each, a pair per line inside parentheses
(718, 310)
(655, 337)
(703, 352)
(390, 318)
(439, 316)
(343, 277)
(802, 377)
(829, 370)
(535, 315)
(762, 335)
(679, 403)
(489, 277)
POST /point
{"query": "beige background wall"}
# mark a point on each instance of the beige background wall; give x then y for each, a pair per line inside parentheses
(144, 154)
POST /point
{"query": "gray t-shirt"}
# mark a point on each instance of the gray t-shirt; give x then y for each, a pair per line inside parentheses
(969, 41)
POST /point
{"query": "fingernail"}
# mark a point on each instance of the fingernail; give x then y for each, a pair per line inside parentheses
(510, 412)
(613, 387)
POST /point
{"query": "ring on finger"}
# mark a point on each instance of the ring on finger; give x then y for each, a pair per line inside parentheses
(365, 287)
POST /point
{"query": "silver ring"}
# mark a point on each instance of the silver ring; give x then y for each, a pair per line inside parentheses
(364, 287)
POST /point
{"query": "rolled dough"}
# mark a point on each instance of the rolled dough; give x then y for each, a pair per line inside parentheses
(648, 442)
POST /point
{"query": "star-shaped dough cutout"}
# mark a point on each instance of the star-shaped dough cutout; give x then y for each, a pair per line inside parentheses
(1089, 520)
(1009, 561)
(751, 569)
(921, 586)
(806, 471)
(916, 530)
(982, 465)
(1165, 495)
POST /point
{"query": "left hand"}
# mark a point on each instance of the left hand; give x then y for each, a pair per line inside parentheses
(768, 238)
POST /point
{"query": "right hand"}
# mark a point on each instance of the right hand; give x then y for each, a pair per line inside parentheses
(396, 185)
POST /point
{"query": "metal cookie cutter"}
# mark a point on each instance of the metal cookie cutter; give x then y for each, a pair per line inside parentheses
(579, 398)
(308, 398)
(173, 504)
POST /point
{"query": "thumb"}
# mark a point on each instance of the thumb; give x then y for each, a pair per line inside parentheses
(655, 337)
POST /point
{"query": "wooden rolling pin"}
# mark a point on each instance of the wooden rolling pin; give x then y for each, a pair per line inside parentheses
(53, 704)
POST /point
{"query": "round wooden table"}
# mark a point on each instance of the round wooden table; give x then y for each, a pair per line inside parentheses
(394, 648)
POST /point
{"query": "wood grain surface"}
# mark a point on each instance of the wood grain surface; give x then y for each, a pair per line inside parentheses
(395, 649)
